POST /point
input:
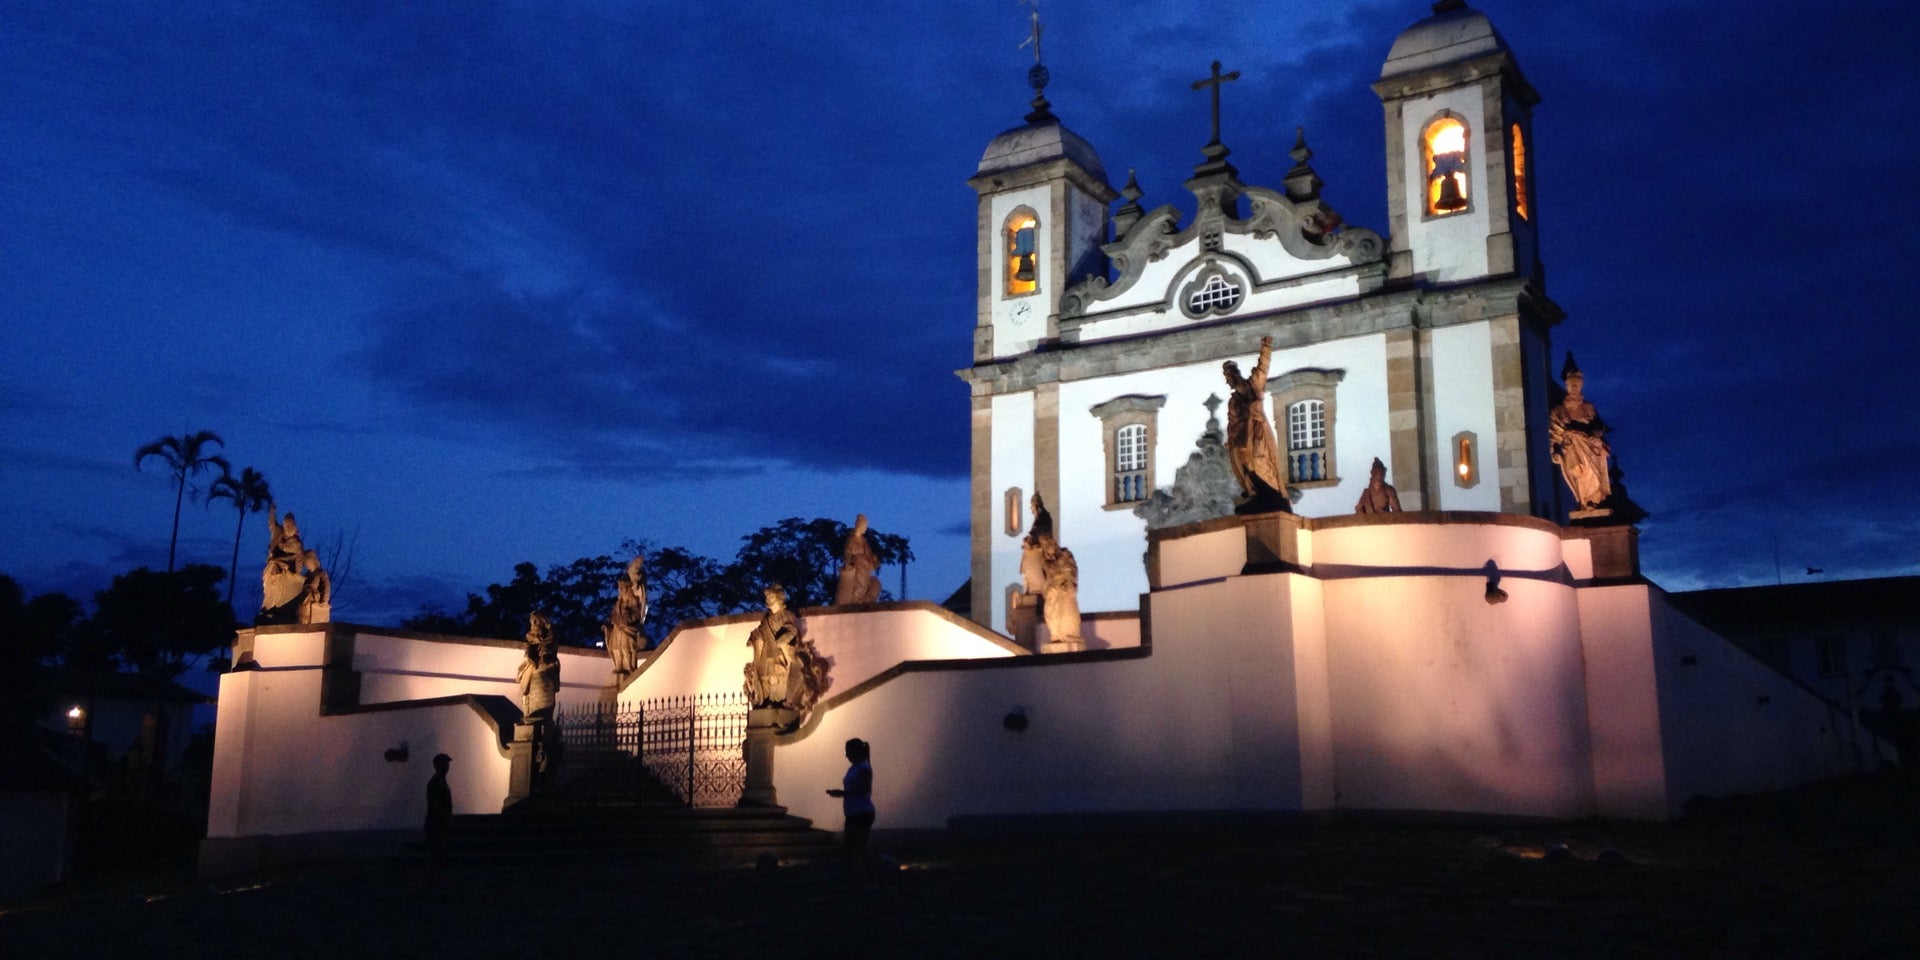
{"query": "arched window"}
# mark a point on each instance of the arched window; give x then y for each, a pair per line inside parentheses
(1519, 173)
(1443, 154)
(1022, 253)
(1307, 441)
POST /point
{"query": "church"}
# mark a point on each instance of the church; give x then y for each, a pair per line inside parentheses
(1478, 642)
(1099, 338)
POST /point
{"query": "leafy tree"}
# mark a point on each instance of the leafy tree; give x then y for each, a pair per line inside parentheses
(153, 622)
(188, 455)
(804, 557)
(681, 586)
(31, 631)
(250, 494)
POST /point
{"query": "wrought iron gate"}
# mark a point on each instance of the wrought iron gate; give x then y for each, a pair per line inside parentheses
(673, 751)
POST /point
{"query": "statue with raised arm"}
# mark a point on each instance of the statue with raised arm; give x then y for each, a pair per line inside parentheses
(1251, 449)
(858, 568)
(281, 582)
(622, 631)
(1576, 440)
(1379, 496)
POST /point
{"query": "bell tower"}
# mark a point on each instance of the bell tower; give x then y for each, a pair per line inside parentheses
(1459, 139)
(1042, 220)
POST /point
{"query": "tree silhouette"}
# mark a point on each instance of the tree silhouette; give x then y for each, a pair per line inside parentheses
(250, 494)
(186, 456)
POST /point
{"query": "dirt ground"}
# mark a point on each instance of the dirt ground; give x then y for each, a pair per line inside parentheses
(1828, 871)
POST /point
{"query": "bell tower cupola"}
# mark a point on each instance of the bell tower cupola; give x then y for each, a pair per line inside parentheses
(1459, 118)
(1042, 221)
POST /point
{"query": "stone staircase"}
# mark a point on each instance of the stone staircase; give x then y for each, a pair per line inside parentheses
(726, 834)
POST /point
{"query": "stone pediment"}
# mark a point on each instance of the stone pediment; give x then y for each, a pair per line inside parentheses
(1290, 248)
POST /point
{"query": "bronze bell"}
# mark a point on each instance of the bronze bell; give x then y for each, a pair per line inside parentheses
(1023, 268)
(1450, 198)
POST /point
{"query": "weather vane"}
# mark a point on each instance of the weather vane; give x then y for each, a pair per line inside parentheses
(1037, 75)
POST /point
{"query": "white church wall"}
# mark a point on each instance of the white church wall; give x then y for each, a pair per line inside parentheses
(1012, 466)
(1463, 402)
(1452, 247)
(1020, 322)
(1151, 314)
(1623, 703)
(282, 768)
(1204, 723)
(710, 656)
(1733, 725)
(1442, 701)
(396, 667)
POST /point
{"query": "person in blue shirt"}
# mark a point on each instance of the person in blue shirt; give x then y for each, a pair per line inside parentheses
(856, 801)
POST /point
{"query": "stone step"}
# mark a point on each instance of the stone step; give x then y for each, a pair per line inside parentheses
(727, 833)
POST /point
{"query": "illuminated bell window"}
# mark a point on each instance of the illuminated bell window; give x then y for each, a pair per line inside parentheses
(1519, 173)
(1307, 441)
(1443, 152)
(1022, 266)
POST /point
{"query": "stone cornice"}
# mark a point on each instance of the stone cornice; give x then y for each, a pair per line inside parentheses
(1393, 309)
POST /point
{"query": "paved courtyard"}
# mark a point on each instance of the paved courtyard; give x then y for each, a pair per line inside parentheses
(1824, 872)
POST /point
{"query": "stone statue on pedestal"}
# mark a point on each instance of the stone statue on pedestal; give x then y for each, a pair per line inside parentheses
(785, 670)
(858, 566)
(1251, 448)
(293, 587)
(621, 632)
(1060, 604)
(1576, 439)
(1379, 496)
(539, 674)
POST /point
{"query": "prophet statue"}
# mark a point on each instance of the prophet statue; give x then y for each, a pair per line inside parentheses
(539, 674)
(785, 670)
(621, 632)
(1379, 496)
(1576, 440)
(1252, 451)
(858, 566)
(1060, 605)
(1033, 572)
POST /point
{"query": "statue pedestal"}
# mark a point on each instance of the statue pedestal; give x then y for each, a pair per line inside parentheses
(522, 762)
(1070, 645)
(1593, 514)
(763, 724)
(1023, 619)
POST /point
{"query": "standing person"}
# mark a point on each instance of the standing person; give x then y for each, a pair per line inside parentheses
(856, 801)
(439, 808)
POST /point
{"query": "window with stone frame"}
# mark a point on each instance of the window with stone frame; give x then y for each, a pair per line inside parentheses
(1304, 410)
(1021, 252)
(1447, 181)
(1128, 426)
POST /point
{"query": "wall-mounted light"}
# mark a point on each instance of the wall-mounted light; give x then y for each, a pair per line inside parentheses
(1466, 459)
(76, 719)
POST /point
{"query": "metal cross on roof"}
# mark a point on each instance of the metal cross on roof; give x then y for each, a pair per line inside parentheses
(1215, 81)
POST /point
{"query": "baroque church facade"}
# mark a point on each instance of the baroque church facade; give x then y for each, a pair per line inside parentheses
(1101, 330)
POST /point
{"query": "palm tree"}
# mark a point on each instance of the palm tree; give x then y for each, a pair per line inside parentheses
(249, 494)
(186, 456)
